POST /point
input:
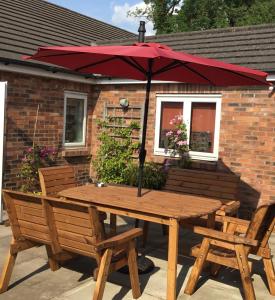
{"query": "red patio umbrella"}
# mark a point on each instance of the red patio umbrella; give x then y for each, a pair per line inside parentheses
(148, 61)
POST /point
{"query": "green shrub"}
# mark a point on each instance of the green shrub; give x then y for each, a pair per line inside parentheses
(116, 150)
(154, 176)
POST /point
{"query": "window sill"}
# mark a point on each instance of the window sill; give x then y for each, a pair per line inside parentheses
(192, 155)
(74, 152)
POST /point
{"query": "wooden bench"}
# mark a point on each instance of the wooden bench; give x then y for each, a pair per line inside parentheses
(67, 227)
(56, 179)
(218, 185)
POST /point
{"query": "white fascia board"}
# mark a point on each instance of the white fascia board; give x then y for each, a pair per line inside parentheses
(105, 81)
(44, 73)
(271, 77)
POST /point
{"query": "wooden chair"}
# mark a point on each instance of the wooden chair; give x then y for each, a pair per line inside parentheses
(229, 249)
(63, 226)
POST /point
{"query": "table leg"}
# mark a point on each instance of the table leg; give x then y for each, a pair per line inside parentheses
(172, 259)
(211, 220)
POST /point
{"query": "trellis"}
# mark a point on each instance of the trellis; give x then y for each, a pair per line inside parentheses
(116, 113)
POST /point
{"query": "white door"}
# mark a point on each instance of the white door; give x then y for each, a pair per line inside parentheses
(3, 93)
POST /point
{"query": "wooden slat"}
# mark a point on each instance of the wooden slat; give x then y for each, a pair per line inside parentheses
(28, 204)
(60, 182)
(35, 235)
(53, 190)
(72, 220)
(22, 215)
(57, 170)
(205, 174)
(172, 179)
(30, 211)
(200, 192)
(76, 237)
(69, 212)
(73, 228)
(76, 245)
(33, 226)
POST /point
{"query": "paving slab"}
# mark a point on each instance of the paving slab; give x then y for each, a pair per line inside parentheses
(33, 280)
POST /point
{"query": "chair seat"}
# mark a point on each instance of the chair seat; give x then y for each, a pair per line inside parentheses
(217, 251)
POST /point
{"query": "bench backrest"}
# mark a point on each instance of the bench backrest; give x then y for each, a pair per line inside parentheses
(65, 225)
(26, 217)
(210, 184)
(55, 179)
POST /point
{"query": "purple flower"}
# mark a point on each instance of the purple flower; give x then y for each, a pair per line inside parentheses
(169, 133)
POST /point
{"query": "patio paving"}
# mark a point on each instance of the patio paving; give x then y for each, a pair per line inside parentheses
(33, 280)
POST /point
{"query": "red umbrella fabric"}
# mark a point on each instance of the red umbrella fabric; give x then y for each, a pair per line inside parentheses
(147, 61)
(132, 62)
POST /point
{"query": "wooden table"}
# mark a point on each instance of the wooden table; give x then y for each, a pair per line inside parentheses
(154, 206)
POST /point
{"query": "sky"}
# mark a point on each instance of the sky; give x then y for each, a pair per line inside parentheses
(112, 12)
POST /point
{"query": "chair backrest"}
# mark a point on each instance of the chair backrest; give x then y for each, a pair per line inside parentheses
(64, 224)
(262, 224)
(203, 183)
(55, 179)
(26, 217)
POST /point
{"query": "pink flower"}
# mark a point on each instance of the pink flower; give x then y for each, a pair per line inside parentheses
(179, 131)
(181, 143)
(169, 133)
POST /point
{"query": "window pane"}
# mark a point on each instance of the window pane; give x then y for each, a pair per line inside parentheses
(202, 127)
(168, 111)
(74, 120)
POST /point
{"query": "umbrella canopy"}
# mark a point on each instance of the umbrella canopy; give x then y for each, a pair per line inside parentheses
(147, 61)
(132, 62)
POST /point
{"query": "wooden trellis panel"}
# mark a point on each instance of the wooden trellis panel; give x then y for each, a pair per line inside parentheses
(133, 113)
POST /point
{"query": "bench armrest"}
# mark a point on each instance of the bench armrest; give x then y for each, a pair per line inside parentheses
(119, 239)
(223, 236)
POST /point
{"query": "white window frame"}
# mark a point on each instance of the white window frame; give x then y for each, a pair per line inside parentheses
(75, 95)
(187, 100)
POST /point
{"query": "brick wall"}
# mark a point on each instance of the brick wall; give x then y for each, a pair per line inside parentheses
(25, 92)
(247, 134)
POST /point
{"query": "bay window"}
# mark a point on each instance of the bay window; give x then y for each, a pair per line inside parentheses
(200, 113)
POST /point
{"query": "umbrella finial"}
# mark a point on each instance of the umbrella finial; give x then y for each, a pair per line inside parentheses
(141, 32)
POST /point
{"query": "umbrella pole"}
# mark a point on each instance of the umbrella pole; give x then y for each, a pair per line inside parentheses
(142, 151)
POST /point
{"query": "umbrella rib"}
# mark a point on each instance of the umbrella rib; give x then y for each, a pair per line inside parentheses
(133, 64)
(96, 63)
(168, 67)
(138, 65)
(197, 73)
(241, 75)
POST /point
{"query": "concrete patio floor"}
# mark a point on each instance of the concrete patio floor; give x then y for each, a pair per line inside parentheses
(33, 280)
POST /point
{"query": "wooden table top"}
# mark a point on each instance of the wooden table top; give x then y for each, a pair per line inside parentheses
(160, 203)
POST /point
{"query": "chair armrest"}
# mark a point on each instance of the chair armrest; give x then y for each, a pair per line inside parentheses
(235, 221)
(119, 239)
(223, 236)
(232, 206)
(241, 226)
